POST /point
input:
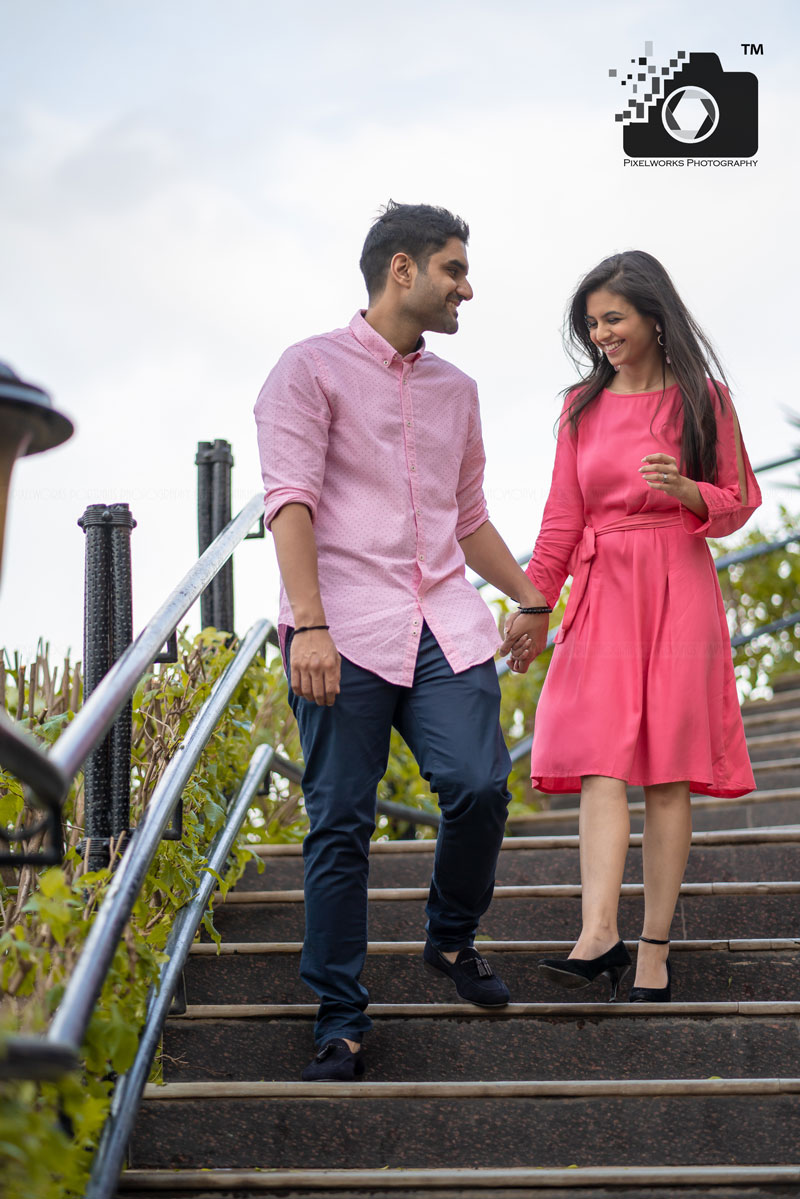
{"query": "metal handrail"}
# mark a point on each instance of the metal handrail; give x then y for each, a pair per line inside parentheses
(50, 774)
(97, 715)
(71, 1019)
(58, 1051)
(755, 551)
(765, 466)
(110, 1155)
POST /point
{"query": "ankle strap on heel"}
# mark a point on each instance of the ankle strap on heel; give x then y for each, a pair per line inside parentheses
(652, 941)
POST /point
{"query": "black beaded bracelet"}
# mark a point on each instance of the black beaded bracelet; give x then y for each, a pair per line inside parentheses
(533, 611)
(309, 628)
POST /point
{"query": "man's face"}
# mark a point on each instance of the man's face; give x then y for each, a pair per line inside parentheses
(439, 288)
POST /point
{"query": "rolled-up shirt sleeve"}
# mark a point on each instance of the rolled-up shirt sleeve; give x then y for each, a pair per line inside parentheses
(472, 509)
(293, 420)
(563, 520)
(729, 505)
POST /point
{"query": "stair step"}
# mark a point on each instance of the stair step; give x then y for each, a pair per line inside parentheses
(788, 697)
(466, 1183)
(773, 806)
(755, 910)
(731, 836)
(788, 681)
(683, 1042)
(706, 970)
(523, 891)
(776, 1008)
(488, 1124)
(745, 853)
(785, 721)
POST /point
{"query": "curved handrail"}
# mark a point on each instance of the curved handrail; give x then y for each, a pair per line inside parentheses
(72, 1016)
(110, 1153)
(97, 715)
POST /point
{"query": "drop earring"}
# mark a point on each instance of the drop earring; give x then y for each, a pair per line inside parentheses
(661, 343)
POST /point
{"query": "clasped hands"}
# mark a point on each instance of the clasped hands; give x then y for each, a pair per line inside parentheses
(525, 638)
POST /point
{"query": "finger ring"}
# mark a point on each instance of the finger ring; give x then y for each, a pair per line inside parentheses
(663, 478)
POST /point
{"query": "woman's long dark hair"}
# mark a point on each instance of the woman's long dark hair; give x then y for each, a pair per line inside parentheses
(642, 281)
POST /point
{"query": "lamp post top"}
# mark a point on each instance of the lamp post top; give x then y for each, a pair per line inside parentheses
(22, 402)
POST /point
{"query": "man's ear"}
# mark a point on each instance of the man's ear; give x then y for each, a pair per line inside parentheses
(402, 269)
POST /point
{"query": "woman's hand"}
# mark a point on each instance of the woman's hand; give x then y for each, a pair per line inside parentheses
(525, 638)
(662, 474)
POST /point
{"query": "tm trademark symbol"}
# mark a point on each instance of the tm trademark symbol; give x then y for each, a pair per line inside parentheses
(752, 47)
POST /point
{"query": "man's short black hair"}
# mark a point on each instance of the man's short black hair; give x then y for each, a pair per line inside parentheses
(418, 230)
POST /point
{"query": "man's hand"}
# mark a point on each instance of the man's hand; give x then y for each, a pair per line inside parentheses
(316, 667)
(525, 639)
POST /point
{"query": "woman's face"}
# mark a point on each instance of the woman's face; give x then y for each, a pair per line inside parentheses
(625, 336)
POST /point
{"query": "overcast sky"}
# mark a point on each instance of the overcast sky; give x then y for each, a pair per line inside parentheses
(185, 186)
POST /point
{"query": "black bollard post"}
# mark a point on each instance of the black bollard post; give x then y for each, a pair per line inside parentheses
(214, 462)
(107, 632)
(204, 523)
(221, 493)
(119, 736)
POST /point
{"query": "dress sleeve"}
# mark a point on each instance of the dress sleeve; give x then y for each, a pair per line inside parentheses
(729, 505)
(293, 420)
(563, 521)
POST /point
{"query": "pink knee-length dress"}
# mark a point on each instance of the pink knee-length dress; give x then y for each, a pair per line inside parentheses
(641, 684)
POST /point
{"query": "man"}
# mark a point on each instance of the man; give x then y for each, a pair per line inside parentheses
(373, 464)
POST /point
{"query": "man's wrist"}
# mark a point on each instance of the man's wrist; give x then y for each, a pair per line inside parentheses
(530, 596)
(307, 617)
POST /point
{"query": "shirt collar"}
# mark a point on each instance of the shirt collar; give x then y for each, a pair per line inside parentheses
(378, 347)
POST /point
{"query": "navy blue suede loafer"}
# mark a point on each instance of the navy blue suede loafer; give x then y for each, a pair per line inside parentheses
(335, 1062)
(475, 980)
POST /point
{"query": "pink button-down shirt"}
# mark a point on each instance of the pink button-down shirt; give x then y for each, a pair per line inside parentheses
(386, 453)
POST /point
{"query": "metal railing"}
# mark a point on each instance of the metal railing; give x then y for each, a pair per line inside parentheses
(52, 1055)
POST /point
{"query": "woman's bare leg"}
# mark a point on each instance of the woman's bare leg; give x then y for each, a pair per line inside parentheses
(665, 850)
(604, 828)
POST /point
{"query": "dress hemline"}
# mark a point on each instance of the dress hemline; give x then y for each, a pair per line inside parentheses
(569, 784)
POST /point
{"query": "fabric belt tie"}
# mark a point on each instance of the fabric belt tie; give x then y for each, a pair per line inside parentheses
(581, 561)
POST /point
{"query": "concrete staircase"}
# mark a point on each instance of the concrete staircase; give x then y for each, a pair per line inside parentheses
(546, 1098)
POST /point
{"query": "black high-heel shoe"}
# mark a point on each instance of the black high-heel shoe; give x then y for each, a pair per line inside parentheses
(653, 994)
(573, 973)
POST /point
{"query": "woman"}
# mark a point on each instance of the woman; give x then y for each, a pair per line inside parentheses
(641, 689)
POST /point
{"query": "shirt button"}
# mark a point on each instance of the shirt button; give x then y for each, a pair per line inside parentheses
(419, 512)
(408, 422)
(413, 468)
(416, 622)
(386, 362)
(422, 557)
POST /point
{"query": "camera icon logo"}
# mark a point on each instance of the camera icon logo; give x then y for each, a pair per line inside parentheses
(690, 108)
(690, 115)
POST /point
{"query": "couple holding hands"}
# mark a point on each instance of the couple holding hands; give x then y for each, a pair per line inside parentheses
(373, 464)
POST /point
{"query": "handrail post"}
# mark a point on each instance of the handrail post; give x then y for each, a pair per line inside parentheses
(214, 462)
(107, 632)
